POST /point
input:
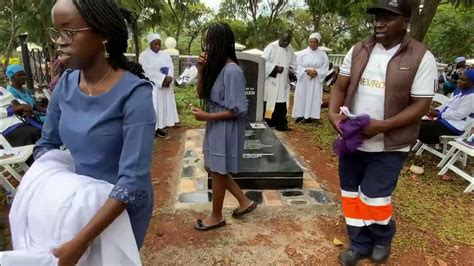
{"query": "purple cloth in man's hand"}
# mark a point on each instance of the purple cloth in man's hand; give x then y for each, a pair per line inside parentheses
(351, 137)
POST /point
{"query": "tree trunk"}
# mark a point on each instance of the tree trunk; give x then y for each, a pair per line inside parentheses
(190, 43)
(178, 33)
(420, 21)
(136, 38)
(316, 21)
(10, 48)
(179, 25)
(11, 42)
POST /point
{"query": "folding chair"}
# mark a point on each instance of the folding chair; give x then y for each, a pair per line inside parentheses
(453, 155)
(421, 147)
(440, 99)
(13, 165)
(444, 140)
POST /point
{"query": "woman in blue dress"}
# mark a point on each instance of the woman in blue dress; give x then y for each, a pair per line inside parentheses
(221, 86)
(102, 111)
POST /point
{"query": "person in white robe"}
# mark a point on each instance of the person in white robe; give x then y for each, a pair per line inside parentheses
(279, 68)
(159, 68)
(189, 74)
(313, 67)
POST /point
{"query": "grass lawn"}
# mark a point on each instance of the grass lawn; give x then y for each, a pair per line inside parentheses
(185, 98)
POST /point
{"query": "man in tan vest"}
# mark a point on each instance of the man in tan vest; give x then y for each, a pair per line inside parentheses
(391, 78)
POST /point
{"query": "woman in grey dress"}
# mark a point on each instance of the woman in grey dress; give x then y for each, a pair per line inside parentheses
(221, 86)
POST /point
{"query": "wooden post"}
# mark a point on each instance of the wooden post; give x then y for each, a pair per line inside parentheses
(26, 60)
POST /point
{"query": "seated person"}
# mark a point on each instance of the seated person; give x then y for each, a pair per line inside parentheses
(453, 73)
(453, 117)
(14, 123)
(189, 74)
(16, 74)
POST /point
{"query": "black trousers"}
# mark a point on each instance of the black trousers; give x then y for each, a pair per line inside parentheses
(430, 131)
(278, 120)
(24, 135)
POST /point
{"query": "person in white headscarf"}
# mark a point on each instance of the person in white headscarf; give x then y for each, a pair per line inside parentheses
(159, 69)
(313, 67)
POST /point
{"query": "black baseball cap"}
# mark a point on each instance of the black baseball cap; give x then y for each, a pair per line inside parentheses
(400, 7)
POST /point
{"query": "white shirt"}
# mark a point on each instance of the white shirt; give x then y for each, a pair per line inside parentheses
(275, 55)
(370, 96)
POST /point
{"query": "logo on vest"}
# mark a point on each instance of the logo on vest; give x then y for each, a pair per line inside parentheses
(376, 84)
(393, 3)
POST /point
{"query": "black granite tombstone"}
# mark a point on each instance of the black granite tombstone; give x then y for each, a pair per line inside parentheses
(266, 164)
(254, 70)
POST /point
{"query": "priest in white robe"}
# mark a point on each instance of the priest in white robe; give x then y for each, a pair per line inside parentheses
(313, 67)
(159, 69)
(279, 67)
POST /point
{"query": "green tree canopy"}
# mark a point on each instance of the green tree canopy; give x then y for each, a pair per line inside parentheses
(450, 34)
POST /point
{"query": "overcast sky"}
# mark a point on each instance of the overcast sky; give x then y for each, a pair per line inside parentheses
(213, 4)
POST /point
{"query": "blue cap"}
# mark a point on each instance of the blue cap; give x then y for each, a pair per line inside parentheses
(13, 69)
(470, 75)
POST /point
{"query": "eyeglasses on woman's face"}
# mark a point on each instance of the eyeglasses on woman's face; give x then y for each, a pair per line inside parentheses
(66, 35)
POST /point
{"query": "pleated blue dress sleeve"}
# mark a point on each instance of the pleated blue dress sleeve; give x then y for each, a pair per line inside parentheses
(133, 182)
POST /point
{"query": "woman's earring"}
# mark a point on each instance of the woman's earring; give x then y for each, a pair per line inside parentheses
(106, 54)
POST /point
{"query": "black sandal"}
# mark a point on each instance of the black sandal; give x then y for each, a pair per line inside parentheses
(251, 208)
(200, 225)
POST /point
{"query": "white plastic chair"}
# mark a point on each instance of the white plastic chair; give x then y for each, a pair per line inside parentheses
(13, 165)
(444, 140)
(453, 155)
(421, 147)
(440, 99)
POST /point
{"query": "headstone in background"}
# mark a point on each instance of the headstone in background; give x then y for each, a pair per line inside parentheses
(175, 59)
(253, 67)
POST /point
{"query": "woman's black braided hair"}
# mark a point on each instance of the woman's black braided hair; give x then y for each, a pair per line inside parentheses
(110, 21)
(219, 43)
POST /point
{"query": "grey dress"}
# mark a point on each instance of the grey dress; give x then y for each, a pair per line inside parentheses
(224, 139)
